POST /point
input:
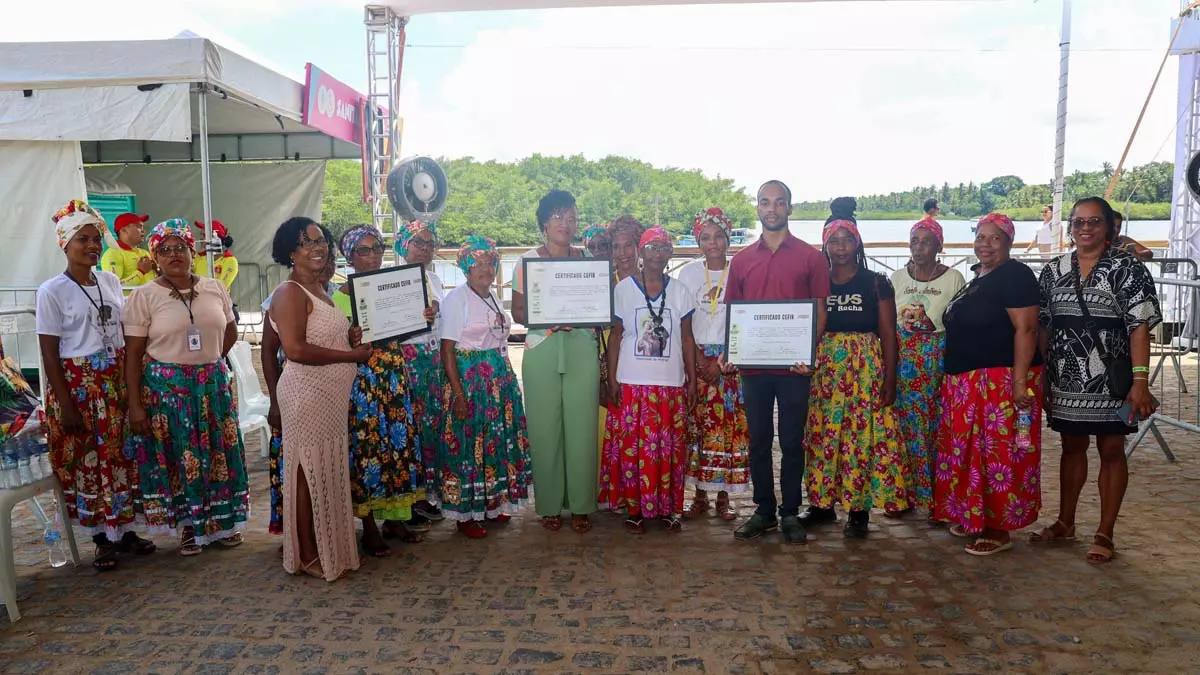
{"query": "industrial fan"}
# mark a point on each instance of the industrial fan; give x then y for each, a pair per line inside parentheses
(417, 188)
(1192, 175)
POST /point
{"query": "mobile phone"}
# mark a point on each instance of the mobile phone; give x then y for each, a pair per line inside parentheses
(1125, 412)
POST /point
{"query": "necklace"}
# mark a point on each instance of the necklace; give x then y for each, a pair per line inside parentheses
(656, 318)
(912, 272)
(713, 291)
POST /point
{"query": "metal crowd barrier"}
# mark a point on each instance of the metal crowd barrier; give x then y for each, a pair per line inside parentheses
(1179, 405)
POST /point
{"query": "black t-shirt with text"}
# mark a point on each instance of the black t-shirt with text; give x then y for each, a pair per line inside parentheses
(853, 307)
(979, 332)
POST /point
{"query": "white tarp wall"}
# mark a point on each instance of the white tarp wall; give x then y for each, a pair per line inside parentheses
(251, 199)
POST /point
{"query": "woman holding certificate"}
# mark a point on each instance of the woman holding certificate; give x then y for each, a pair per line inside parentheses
(718, 452)
(852, 437)
(652, 366)
(485, 452)
(989, 459)
(562, 386)
(385, 452)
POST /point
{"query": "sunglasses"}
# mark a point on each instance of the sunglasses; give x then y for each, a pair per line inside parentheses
(1093, 223)
(174, 250)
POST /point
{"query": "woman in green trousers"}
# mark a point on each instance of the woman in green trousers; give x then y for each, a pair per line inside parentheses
(561, 377)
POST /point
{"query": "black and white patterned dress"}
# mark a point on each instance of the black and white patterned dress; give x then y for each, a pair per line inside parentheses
(1120, 296)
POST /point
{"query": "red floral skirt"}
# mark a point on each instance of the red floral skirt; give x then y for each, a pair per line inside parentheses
(645, 452)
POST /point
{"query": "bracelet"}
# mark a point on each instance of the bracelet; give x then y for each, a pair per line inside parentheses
(1143, 379)
(1141, 369)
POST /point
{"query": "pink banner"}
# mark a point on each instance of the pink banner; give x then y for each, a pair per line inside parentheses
(331, 106)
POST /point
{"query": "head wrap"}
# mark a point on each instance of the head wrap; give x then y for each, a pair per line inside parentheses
(929, 224)
(352, 236)
(71, 218)
(175, 227)
(410, 230)
(835, 225)
(1001, 221)
(654, 235)
(626, 225)
(476, 249)
(593, 231)
(713, 216)
(218, 228)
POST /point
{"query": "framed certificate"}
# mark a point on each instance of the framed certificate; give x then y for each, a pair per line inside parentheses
(390, 302)
(575, 292)
(769, 335)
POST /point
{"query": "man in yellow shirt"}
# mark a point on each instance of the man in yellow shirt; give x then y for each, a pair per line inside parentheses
(225, 265)
(128, 260)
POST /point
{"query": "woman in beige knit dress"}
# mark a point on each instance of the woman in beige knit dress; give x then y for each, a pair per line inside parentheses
(314, 403)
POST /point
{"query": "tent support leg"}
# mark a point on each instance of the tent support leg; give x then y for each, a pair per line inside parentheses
(205, 181)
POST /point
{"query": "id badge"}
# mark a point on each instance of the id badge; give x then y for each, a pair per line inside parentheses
(109, 348)
(193, 338)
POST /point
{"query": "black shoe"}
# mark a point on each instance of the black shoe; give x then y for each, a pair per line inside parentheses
(814, 516)
(428, 511)
(856, 525)
(418, 523)
(754, 528)
(793, 531)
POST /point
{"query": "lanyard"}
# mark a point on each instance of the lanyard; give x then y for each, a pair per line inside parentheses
(187, 304)
(655, 316)
(101, 314)
(712, 311)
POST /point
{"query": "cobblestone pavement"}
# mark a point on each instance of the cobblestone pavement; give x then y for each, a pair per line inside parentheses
(526, 600)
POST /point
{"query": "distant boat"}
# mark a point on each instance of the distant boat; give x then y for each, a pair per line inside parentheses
(740, 236)
(685, 240)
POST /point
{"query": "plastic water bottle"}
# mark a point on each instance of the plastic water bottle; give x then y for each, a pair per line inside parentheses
(1025, 425)
(24, 473)
(8, 465)
(53, 537)
(44, 460)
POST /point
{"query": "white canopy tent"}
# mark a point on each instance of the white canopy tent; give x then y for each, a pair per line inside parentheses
(414, 7)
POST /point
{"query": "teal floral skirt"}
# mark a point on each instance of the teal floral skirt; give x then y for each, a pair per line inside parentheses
(192, 468)
(426, 381)
(485, 457)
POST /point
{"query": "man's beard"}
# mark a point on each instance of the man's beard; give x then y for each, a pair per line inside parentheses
(781, 226)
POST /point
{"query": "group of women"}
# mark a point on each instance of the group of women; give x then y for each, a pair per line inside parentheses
(927, 391)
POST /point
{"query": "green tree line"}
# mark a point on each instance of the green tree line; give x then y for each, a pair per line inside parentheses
(1146, 189)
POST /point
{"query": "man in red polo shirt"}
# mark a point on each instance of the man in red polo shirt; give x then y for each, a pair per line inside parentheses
(779, 266)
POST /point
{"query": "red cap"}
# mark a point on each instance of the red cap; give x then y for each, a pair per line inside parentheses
(128, 219)
(218, 228)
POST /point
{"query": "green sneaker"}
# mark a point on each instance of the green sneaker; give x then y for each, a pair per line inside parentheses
(793, 531)
(754, 528)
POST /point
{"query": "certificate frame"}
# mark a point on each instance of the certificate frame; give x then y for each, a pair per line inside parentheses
(404, 276)
(736, 317)
(532, 270)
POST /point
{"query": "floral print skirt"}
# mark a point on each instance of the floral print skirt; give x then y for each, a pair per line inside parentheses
(854, 453)
(99, 480)
(426, 381)
(718, 439)
(989, 471)
(193, 465)
(275, 471)
(645, 452)
(919, 409)
(385, 451)
(485, 458)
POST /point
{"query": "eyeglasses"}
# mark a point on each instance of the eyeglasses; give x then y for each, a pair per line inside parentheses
(178, 249)
(659, 248)
(1093, 223)
(305, 242)
(599, 246)
(377, 249)
(421, 244)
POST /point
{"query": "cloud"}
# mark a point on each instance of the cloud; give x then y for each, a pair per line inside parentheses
(941, 91)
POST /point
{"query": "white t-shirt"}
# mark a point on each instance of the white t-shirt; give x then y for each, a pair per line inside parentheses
(708, 323)
(74, 316)
(647, 358)
(472, 322)
(436, 294)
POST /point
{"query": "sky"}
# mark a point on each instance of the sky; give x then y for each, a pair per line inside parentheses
(832, 97)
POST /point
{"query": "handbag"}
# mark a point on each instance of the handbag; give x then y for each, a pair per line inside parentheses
(1118, 370)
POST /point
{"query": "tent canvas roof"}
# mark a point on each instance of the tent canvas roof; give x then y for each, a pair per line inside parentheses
(413, 7)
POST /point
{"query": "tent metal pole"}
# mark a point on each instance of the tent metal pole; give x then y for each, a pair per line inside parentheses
(1060, 131)
(205, 181)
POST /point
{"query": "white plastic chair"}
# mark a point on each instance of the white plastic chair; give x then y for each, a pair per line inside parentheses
(253, 405)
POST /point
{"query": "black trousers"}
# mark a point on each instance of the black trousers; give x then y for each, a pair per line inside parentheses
(761, 392)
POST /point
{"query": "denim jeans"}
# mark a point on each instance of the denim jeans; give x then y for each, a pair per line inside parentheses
(761, 393)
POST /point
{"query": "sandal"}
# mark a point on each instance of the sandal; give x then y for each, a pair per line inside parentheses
(131, 543)
(984, 546)
(697, 507)
(897, 514)
(1052, 533)
(500, 519)
(380, 550)
(418, 523)
(1099, 554)
(473, 529)
(396, 530)
(187, 543)
(635, 525)
(106, 558)
(581, 524)
(231, 542)
(959, 531)
(724, 510)
(552, 523)
(673, 524)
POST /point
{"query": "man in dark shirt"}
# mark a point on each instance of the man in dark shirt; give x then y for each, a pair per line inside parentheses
(779, 266)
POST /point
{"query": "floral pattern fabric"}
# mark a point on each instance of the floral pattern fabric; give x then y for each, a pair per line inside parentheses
(919, 409)
(99, 480)
(193, 465)
(854, 451)
(426, 382)
(485, 463)
(645, 452)
(718, 438)
(275, 471)
(988, 474)
(385, 451)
